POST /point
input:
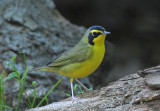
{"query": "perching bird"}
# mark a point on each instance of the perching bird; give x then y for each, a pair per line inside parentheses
(83, 59)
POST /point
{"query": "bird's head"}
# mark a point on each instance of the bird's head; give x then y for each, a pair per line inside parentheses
(95, 35)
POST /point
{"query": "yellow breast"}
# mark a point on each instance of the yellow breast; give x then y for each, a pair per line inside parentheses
(86, 67)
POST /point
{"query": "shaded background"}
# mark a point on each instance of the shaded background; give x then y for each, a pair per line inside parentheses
(39, 30)
(134, 24)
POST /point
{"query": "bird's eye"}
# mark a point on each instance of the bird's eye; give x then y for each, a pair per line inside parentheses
(94, 33)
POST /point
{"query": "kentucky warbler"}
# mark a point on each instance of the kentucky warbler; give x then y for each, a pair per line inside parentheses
(83, 59)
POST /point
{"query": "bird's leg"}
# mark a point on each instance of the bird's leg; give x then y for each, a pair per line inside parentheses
(73, 98)
(71, 81)
(82, 85)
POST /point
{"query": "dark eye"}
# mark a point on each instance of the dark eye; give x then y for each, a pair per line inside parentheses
(94, 33)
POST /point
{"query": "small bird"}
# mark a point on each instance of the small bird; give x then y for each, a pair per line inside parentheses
(83, 59)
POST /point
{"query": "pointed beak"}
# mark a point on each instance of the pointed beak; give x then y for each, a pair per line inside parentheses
(106, 33)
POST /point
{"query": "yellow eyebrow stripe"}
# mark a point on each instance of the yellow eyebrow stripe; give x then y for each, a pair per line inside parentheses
(96, 31)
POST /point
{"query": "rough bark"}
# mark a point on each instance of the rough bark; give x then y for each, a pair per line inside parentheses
(130, 93)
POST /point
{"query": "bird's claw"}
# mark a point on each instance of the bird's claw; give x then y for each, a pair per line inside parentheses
(75, 99)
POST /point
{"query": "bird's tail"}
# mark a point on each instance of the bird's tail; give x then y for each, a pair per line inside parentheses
(45, 69)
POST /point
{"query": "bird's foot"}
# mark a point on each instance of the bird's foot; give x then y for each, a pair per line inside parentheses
(75, 99)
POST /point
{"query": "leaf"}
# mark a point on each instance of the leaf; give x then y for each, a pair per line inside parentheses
(7, 63)
(10, 76)
(33, 83)
(5, 106)
(13, 58)
(68, 95)
(91, 89)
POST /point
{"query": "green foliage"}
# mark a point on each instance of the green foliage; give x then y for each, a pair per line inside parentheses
(91, 89)
(29, 103)
(77, 90)
(45, 97)
(67, 94)
(3, 105)
(11, 75)
(21, 78)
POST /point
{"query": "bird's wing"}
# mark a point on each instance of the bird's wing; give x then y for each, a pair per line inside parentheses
(78, 53)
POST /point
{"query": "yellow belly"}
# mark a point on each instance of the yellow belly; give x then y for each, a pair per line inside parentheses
(86, 67)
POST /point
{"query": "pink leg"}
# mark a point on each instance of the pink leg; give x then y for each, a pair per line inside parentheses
(73, 98)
